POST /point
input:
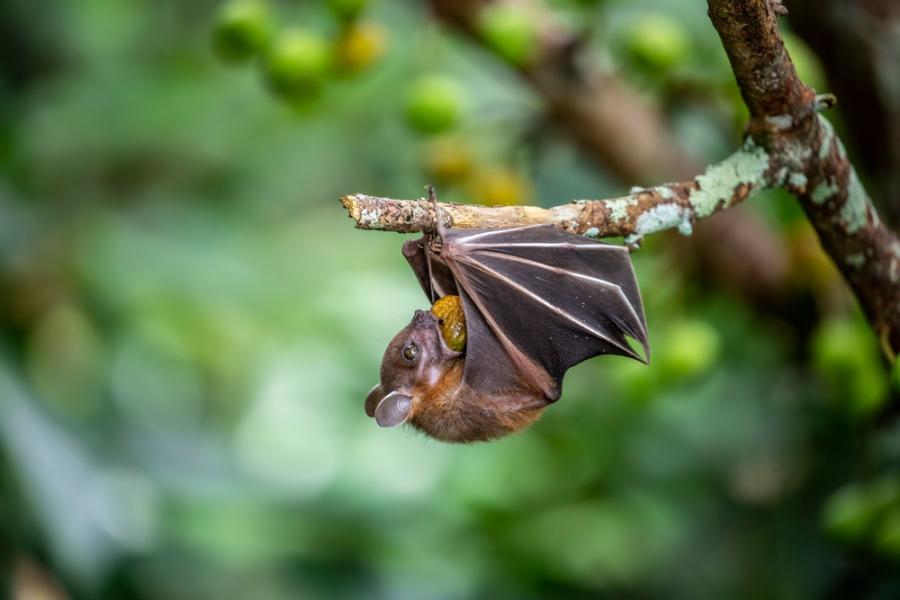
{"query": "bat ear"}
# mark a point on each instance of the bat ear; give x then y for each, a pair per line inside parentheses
(372, 400)
(393, 410)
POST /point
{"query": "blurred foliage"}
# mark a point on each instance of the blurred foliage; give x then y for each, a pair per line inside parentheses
(190, 325)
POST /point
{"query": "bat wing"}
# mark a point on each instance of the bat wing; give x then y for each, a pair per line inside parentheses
(537, 302)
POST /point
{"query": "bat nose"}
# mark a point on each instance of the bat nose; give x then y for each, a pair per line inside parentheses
(422, 318)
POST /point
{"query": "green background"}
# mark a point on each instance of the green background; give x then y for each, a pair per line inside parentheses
(189, 324)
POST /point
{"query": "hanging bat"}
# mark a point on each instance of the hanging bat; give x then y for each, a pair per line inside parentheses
(535, 300)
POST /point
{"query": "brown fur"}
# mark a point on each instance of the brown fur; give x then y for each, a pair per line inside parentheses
(443, 407)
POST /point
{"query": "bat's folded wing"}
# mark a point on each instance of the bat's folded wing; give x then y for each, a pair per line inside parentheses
(437, 278)
(540, 300)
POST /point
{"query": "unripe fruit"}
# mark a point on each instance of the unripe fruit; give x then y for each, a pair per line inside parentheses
(510, 32)
(657, 43)
(435, 104)
(635, 380)
(499, 186)
(848, 515)
(838, 345)
(859, 512)
(887, 539)
(845, 356)
(689, 348)
(242, 29)
(346, 9)
(297, 64)
(359, 46)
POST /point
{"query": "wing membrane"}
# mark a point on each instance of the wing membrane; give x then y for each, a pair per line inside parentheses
(537, 302)
(556, 298)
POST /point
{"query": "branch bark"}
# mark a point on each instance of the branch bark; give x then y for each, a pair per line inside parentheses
(784, 120)
(643, 211)
(860, 53)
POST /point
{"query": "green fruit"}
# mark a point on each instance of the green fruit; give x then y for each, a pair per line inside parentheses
(297, 64)
(855, 512)
(869, 389)
(242, 30)
(689, 348)
(636, 380)
(509, 32)
(845, 356)
(848, 514)
(657, 43)
(346, 9)
(884, 493)
(435, 104)
(839, 345)
(887, 538)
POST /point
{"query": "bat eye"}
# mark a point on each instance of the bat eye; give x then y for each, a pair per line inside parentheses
(410, 351)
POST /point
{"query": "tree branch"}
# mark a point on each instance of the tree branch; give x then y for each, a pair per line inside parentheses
(643, 211)
(784, 120)
(860, 51)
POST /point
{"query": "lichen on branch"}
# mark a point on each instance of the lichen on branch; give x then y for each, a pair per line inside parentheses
(643, 211)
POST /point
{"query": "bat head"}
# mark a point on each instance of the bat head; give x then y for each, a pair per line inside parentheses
(414, 366)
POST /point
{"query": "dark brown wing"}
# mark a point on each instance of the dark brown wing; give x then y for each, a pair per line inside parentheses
(537, 301)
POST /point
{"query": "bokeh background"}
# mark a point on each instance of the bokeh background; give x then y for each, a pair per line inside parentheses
(189, 323)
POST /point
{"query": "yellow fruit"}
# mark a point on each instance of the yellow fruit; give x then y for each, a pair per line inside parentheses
(499, 186)
(448, 160)
(453, 321)
(360, 46)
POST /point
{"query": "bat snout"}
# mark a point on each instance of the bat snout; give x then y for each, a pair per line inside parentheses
(424, 319)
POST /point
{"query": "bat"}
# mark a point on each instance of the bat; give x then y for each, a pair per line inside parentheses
(536, 301)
